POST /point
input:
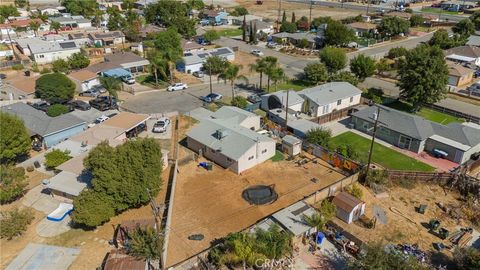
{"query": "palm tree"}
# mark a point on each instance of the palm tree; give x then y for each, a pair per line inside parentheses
(272, 63)
(260, 66)
(34, 25)
(231, 74)
(316, 220)
(112, 85)
(276, 74)
(214, 65)
(145, 243)
(55, 26)
(171, 56)
(158, 65)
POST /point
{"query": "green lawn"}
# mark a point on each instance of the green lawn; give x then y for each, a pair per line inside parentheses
(149, 80)
(382, 155)
(278, 156)
(426, 113)
(230, 32)
(296, 85)
(438, 10)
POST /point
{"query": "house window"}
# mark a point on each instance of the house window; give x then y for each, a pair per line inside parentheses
(351, 99)
(339, 102)
(250, 158)
(366, 125)
(325, 109)
(264, 151)
(385, 131)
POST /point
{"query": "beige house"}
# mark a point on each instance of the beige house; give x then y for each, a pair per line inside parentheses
(228, 137)
(459, 75)
(84, 79)
(363, 28)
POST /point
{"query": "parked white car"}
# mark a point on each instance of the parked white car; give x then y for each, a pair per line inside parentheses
(257, 52)
(99, 120)
(177, 86)
(161, 125)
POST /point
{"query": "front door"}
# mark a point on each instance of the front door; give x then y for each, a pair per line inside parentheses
(405, 142)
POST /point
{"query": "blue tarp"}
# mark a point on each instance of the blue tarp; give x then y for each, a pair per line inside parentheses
(117, 73)
(320, 237)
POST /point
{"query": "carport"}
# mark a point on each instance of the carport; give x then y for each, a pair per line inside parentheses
(131, 123)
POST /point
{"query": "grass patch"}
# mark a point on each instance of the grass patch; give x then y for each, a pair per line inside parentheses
(426, 113)
(397, 236)
(261, 113)
(230, 32)
(296, 85)
(438, 10)
(278, 156)
(382, 155)
(149, 80)
(71, 238)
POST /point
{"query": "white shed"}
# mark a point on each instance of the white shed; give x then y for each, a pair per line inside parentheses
(349, 208)
(291, 145)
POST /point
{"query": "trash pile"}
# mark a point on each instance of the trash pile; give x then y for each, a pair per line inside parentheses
(408, 250)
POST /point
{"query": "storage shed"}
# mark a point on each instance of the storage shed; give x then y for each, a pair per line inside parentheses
(349, 208)
(291, 145)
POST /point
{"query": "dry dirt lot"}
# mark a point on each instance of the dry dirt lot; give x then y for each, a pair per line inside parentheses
(211, 203)
(269, 10)
(398, 229)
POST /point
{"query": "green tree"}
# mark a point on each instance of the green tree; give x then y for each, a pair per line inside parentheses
(303, 43)
(14, 140)
(145, 243)
(327, 209)
(355, 191)
(273, 243)
(344, 76)
(7, 11)
(276, 74)
(338, 34)
(214, 65)
(334, 59)
(55, 158)
(260, 66)
(92, 208)
(171, 13)
(315, 220)
(12, 182)
(232, 74)
(84, 7)
(294, 19)
(475, 18)
(112, 85)
(60, 66)
(14, 222)
(347, 151)
(56, 110)
(288, 27)
(21, 3)
(115, 20)
(316, 73)
(211, 35)
(442, 39)
(239, 11)
(239, 102)
(158, 66)
(393, 26)
(54, 88)
(78, 61)
(423, 76)
(195, 4)
(284, 16)
(467, 258)
(383, 66)
(318, 220)
(169, 47)
(34, 26)
(319, 136)
(377, 257)
(55, 26)
(416, 20)
(464, 28)
(397, 52)
(362, 66)
(272, 64)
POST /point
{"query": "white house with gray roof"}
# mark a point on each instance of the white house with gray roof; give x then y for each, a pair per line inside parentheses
(44, 52)
(417, 134)
(193, 61)
(326, 98)
(278, 100)
(228, 138)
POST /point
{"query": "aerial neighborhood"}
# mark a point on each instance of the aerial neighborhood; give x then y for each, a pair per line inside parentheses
(239, 134)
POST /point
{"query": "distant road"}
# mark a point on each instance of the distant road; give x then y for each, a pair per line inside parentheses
(373, 8)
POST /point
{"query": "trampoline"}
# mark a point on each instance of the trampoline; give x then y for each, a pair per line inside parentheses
(260, 194)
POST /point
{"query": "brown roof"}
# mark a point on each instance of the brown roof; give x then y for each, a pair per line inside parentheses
(102, 66)
(403, 15)
(83, 75)
(98, 134)
(468, 51)
(363, 25)
(346, 201)
(458, 70)
(118, 260)
(77, 35)
(20, 23)
(107, 35)
(126, 120)
(150, 28)
(123, 57)
(26, 85)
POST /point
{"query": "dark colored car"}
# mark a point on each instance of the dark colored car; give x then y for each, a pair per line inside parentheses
(81, 105)
(41, 105)
(211, 97)
(104, 103)
(254, 99)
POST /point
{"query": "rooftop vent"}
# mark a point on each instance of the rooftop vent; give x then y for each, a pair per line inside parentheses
(221, 133)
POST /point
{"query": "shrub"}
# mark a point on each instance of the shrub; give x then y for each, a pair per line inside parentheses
(60, 65)
(30, 169)
(45, 70)
(319, 136)
(55, 158)
(14, 139)
(13, 223)
(406, 183)
(12, 182)
(397, 52)
(54, 88)
(18, 67)
(376, 177)
(56, 110)
(355, 191)
(239, 102)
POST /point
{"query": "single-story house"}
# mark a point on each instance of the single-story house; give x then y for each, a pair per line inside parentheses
(363, 28)
(262, 27)
(68, 185)
(229, 139)
(131, 123)
(459, 75)
(326, 98)
(349, 208)
(120, 260)
(10, 27)
(464, 55)
(278, 100)
(298, 126)
(84, 79)
(150, 29)
(48, 11)
(416, 134)
(80, 38)
(215, 16)
(127, 60)
(107, 38)
(71, 22)
(314, 40)
(44, 52)
(292, 219)
(189, 46)
(51, 130)
(238, 20)
(473, 40)
(398, 14)
(193, 61)
(20, 89)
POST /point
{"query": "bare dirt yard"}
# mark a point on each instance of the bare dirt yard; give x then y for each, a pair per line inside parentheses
(269, 10)
(398, 229)
(211, 203)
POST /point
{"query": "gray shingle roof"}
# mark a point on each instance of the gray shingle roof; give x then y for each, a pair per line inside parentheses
(293, 97)
(473, 41)
(38, 122)
(292, 219)
(236, 114)
(330, 92)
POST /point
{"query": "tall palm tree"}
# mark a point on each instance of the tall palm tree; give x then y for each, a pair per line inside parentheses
(316, 220)
(231, 74)
(260, 66)
(112, 85)
(55, 26)
(34, 25)
(158, 66)
(214, 65)
(276, 74)
(272, 63)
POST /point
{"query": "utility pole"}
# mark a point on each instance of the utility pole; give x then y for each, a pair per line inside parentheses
(310, 18)
(368, 6)
(376, 116)
(286, 112)
(278, 14)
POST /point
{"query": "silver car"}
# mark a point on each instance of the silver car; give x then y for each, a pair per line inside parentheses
(161, 125)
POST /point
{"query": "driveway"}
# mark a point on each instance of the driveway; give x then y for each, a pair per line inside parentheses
(90, 115)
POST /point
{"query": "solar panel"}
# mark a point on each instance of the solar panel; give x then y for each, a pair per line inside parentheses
(223, 51)
(202, 55)
(300, 210)
(67, 45)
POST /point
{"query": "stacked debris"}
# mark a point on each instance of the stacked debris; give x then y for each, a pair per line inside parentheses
(461, 237)
(411, 250)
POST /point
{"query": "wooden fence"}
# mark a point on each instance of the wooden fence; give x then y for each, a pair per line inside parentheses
(334, 115)
(422, 176)
(468, 117)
